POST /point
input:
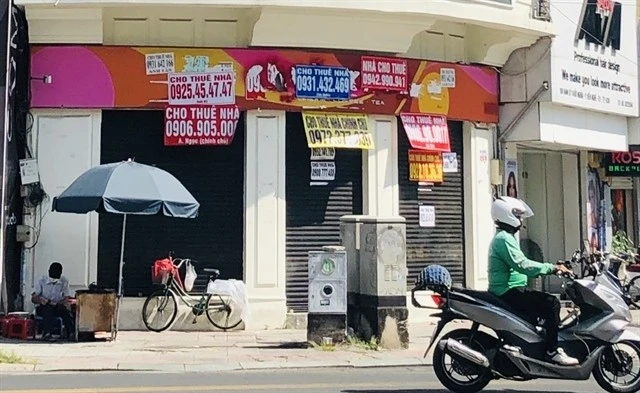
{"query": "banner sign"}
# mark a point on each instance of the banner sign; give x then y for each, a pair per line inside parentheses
(623, 163)
(200, 125)
(120, 77)
(211, 88)
(338, 130)
(425, 166)
(426, 132)
(384, 74)
(323, 170)
(321, 82)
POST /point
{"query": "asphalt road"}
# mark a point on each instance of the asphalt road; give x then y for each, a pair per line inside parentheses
(344, 380)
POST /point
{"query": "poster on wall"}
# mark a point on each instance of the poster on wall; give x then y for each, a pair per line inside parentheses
(594, 56)
(323, 170)
(337, 130)
(425, 166)
(450, 162)
(426, 132)
(199, 125)
(322, 82)
(387, 74)
(596, 217)
(210, 88)
(427, 218)
(511, 178)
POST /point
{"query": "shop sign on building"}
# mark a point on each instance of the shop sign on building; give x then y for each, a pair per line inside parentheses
(388, 74)
(594, 56)
(200, 125)
(623, 163)
(426, 132)
(103, 77)
(337, 130)
(425, 166)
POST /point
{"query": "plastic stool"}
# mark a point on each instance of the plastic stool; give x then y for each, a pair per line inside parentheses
(58, 326)
(21, 329)
(4, 325)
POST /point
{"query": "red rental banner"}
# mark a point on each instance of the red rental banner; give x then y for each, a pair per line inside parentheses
(426, 132)
(200, 125)
(380, 73)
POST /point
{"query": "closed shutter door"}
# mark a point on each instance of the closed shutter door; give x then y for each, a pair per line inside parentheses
(215, 177)
(444, 243)
(313, 212)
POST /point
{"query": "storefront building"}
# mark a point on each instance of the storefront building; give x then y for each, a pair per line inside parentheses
(275, 144)
(564, 101)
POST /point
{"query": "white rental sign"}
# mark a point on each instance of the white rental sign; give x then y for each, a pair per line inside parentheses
(594, 57)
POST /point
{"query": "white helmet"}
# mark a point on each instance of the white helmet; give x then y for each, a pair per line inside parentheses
(510, 211)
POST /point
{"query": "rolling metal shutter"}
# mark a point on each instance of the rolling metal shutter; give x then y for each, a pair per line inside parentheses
(313, 212)
(443, 244)
(215, 177)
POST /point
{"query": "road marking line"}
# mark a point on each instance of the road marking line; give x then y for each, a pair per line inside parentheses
(218, 388)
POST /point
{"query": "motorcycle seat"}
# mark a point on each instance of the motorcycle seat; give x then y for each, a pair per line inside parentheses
(492, 299)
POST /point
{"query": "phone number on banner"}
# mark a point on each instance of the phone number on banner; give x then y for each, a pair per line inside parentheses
(200, 125)
(339, 138)
(211, 88)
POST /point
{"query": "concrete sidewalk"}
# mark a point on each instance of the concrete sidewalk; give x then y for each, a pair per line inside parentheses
(173, 351)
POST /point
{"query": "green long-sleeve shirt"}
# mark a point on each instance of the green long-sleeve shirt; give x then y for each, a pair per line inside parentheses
(508, 267)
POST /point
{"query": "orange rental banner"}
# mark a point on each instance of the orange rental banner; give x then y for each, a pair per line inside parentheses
(108, 77)
(425, 166)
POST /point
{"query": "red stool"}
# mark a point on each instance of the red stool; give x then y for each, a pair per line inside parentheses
(21, 329)
(4, 324)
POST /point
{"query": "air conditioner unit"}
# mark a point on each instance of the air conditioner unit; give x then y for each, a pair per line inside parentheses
(541, 10)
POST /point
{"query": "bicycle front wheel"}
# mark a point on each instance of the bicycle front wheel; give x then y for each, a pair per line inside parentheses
(633, 291)
(222, 313)
(160, 310)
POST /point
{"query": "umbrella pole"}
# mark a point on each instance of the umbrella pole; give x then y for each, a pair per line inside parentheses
(124, 231)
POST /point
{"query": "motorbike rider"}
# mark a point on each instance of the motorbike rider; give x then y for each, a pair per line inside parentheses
(509, 270)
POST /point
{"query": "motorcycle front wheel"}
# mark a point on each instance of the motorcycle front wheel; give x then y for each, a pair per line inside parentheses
(616, 364)
(458, 375)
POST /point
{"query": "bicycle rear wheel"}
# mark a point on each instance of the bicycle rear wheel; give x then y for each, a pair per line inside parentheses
(221, 312)
(162, 307)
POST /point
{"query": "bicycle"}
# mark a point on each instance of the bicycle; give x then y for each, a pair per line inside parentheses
(166, 273)
(615, 264)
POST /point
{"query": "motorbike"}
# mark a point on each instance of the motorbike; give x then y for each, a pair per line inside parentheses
(504, 344)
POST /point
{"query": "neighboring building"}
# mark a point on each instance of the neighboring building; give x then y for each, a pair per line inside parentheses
(563, 98)
(14, 49)
(266, 197)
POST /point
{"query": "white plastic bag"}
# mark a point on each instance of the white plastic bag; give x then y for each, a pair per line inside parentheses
(190, 277)
(234, 289)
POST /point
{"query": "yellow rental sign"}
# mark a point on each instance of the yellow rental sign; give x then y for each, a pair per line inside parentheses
(337, 130)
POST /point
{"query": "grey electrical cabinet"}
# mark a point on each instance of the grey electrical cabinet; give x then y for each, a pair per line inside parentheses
(328, 281)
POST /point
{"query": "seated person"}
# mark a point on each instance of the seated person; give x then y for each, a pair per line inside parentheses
(51, 296)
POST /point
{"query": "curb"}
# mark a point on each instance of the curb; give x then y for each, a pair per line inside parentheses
(28, 369)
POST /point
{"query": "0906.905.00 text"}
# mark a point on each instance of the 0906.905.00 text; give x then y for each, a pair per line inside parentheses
(200, 128)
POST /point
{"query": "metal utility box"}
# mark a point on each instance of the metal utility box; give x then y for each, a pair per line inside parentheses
(328, 281)
(383, 259)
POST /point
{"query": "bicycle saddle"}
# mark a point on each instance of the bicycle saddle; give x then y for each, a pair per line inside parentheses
(214, 272)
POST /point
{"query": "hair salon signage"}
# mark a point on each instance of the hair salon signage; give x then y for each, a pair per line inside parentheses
(594, 55)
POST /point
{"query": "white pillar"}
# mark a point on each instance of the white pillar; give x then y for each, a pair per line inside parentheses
(571, 201)
(265, 218)
(478, 151)
(380, 169)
